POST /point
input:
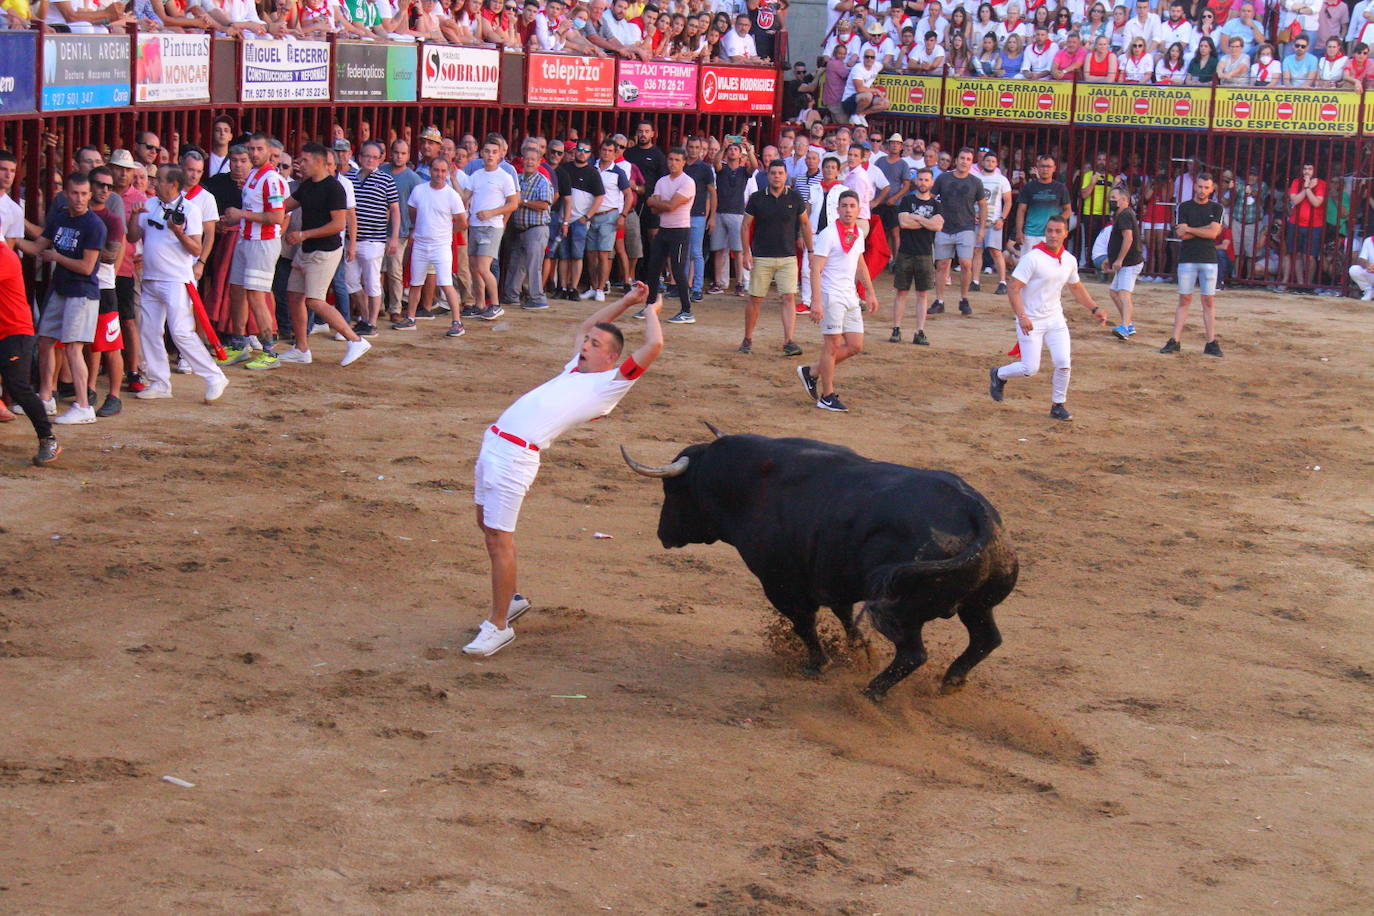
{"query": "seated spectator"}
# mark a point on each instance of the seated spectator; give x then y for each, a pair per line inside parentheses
(1013, 25)
(1068, 63)
(1208, 28)
(984, 23)
(859, 99)
(930, 57)
(880, 42)
(932, 19)
(1097, 23)
(1331, 67)
(1234, 68)
(907, 50)
(957, 55)
(1245, 26)
(1171, 69)
(738, 44)
(1176, 27)
(1013, 57)
(615, 33)
(1265, 71)
(666, 47)
(958, 25)
(1038, 63)
(1120, 27)
(845, 45)
(1063, 25)
(1137, 65)
(808, 116)
(1101, 65)
(989, 59)
(1202, 69)
(1300, 68)
(1146, 26)
(499, 24)
(1358, 73)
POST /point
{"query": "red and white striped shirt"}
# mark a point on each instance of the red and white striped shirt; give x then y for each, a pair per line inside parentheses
(264, 191)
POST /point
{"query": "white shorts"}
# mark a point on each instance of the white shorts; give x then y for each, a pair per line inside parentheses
(501, 478)
(1123, 281)
(426, 256)
(844, 313)
(363, 274)
(254, 265)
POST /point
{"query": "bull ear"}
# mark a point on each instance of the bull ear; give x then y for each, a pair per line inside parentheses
(667, 470)
(715, 431)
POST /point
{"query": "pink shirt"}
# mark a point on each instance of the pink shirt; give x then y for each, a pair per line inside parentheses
(132, 197)
(669, 187)
(1063, 60)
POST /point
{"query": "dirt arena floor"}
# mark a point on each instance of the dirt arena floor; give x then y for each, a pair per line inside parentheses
(267, 598)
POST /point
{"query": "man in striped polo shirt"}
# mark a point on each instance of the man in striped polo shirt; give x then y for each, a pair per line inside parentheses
(255, 257)
(379, 236)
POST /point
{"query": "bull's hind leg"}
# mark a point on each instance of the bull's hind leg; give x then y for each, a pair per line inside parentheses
(911, 651)
(844, 613)
(983, 637)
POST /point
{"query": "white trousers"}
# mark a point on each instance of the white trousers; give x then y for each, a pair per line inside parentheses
(1047, 332)
(1363, 278)
(805, 278)
(165, 302)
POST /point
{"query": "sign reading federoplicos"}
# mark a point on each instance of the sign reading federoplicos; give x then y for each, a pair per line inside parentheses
(1131, 105)
(908, 94)
(1308, 111)
(1009, 100)
(367, 72)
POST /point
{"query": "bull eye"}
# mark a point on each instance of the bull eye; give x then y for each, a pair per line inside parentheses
(766, 467)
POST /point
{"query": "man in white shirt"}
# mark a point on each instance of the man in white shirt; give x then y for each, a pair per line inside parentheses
(1177, 28)
(546, 25)
(999, 204)
(929, 57)
(619, 35)
(1144, 25)
(859, 99)
(882, 45)
(436, 213)
(738, 45)
(1036, 285)
(932, 20)
(1362, 271)
(495, 196)
(11, 214)
(1039, 61)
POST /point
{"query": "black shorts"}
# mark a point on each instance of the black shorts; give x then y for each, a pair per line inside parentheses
(124, 298)
(108, 302)
(917, 268)
(1304, 239)
(887, 213)
(648, 222)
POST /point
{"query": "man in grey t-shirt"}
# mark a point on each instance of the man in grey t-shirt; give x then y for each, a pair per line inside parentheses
(898, 172)
(964, 205)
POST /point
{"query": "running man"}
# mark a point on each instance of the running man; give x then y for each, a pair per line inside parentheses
(1036, 285)
(590, 386)
(836, 263)
(1199, 224)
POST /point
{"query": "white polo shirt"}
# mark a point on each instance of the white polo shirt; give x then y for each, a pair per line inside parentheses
(1045, 276)
(841, 267)
(567, 400)
(163, 256)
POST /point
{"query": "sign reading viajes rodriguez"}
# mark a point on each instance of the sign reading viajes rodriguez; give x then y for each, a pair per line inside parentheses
(172, 68)
(365, 72)
(285, 71)
(85, 71)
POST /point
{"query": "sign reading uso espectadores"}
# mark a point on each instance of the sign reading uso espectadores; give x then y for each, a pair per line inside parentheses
(738, 90)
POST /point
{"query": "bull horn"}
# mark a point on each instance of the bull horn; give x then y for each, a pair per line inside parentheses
(668, 470)
(713, 428)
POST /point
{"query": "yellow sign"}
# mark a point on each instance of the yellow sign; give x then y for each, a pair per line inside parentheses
(1305, 111)
(1128, 105)
(1049, 101)
(908, 94)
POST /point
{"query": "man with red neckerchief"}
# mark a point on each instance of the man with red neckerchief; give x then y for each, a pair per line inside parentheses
(1036, 284)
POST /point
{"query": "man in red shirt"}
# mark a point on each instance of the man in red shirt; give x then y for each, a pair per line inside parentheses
(1306, 222)
(18, 347)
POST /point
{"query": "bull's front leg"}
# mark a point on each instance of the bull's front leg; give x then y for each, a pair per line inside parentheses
(802, 613)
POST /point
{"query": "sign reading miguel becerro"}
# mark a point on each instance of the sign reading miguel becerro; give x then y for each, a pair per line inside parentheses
(738, 90)
(285, 71)
(459, 74)
(367, 72)
(85, 71)
(580, 82)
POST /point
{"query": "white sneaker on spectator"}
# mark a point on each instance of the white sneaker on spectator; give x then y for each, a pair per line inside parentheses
(354, 351)
(254, 343)
(590, 293)
(305, 357)
(50, 406)
(518, 605)
(183, 367)
(489, 640)
(600, 295)
(76, 414)
(215, 387)
(149, 394)
(339, 337)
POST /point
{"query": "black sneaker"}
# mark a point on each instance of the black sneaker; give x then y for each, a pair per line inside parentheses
(804, 373)
(746, 346)
(1212, 349)
(48, 450)
(65, 390)
(936, 308)
(975, 287)
(1170, 347)
(423, 314)
(696, 295)
(791, 349)
(441, 308)
(1058, 412)
(1001, 289)
(921, 340)
(359, 326)
(896, 336)
(995, 385)
(965, 308)
(469, 311)
(831, 402)
(90, 396)
(112, 406)
(367, 330)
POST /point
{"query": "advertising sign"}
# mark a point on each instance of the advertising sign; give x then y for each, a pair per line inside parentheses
(367, 72)
(459, 74)
(1009, 100)
(578, 82)
(660, 85)
(908, 94)
(85, 71)
(18, 50)
(172, 68)
(284, 71)
(1309, 111)
(1121, 105)
(738, 90)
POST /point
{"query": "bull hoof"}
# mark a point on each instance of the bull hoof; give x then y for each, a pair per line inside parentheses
(951, 686)
(813, 670)
(876, 694)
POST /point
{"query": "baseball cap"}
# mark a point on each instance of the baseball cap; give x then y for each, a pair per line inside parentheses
(341, 145)
(895, 138)
(121, 158)
(864, 145)
(432, 133)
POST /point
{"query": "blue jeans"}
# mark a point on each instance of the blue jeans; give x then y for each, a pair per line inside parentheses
(698, 256)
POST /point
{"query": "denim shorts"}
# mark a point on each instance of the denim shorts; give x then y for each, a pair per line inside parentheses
(601, 232)
(1123, 281)
(1199, 275)
(574, 244)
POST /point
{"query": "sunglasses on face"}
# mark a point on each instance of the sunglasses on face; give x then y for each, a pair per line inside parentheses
(1300, 47)
(101, 185)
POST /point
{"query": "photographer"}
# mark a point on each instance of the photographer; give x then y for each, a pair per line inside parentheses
(170, 231)
(1094, 190)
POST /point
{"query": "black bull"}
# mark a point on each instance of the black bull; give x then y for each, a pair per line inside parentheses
(819, 524)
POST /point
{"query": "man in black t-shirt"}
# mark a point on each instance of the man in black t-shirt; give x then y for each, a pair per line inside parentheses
(918, 219)
(765, 18)
(324, 209)
(653, 165)
(774, 220)
(1124, 259)
(1199, 224)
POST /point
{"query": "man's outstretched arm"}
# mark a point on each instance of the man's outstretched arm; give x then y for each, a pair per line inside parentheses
(653, 339)
(611, 311)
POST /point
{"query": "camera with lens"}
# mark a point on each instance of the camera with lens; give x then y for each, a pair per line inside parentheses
(174, 217)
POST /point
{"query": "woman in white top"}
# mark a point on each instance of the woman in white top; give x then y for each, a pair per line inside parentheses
(1172, 69)
(984, 23)
(989, 60)
(1265, 70)
(1118, 29)
(1234, 68)
(1331, 68)
(1136, 65)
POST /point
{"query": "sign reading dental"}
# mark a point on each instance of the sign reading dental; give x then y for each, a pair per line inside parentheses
(581, 82)
(738, 90)
(659, 85)
(459, 74)
(172, 68)
(367, 72)
(285, 71)
(85, 71)
(17, 53)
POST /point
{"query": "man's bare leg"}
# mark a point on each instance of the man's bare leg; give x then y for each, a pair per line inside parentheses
(501, 551)
(789, 317)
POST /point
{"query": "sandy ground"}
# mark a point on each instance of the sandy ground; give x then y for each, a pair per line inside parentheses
(267, 597)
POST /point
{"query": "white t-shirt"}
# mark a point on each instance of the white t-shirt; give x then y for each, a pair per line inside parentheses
(996, 185)
(350, 203)
(841, 267)
(1367, 250)
(163, 256)
(1045, 277)
(859, 72)
(1041, 61)
(566, 400)
(1148, 30)
(11, 218)
(435, 209)
(861, 184)
(736, 45)
(205, 201)
(490, 188)
(1137, 71)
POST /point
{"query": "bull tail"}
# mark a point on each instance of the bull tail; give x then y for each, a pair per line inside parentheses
(954, 574)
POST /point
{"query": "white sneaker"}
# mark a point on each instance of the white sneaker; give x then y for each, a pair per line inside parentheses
(589, 294)
(50, 407)
(339, 337)
(183, 368)
(600, 295)
(354, 351)
(76, 414)
(518, 605)
(215, 387)
(489, 640)
(148, 394)
(293, 355)
(254, 343)
(1368, 295)
(858, 120)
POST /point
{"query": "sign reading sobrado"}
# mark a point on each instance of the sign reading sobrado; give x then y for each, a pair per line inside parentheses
(1309, 111)
(1129, 105)
(172, 68)
(738, 90)
(580, 82)
(459, 74)
(1009, 100)
(284, 71)
(909, 94)
(660, 85)
(85, 71)
(366, 72)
